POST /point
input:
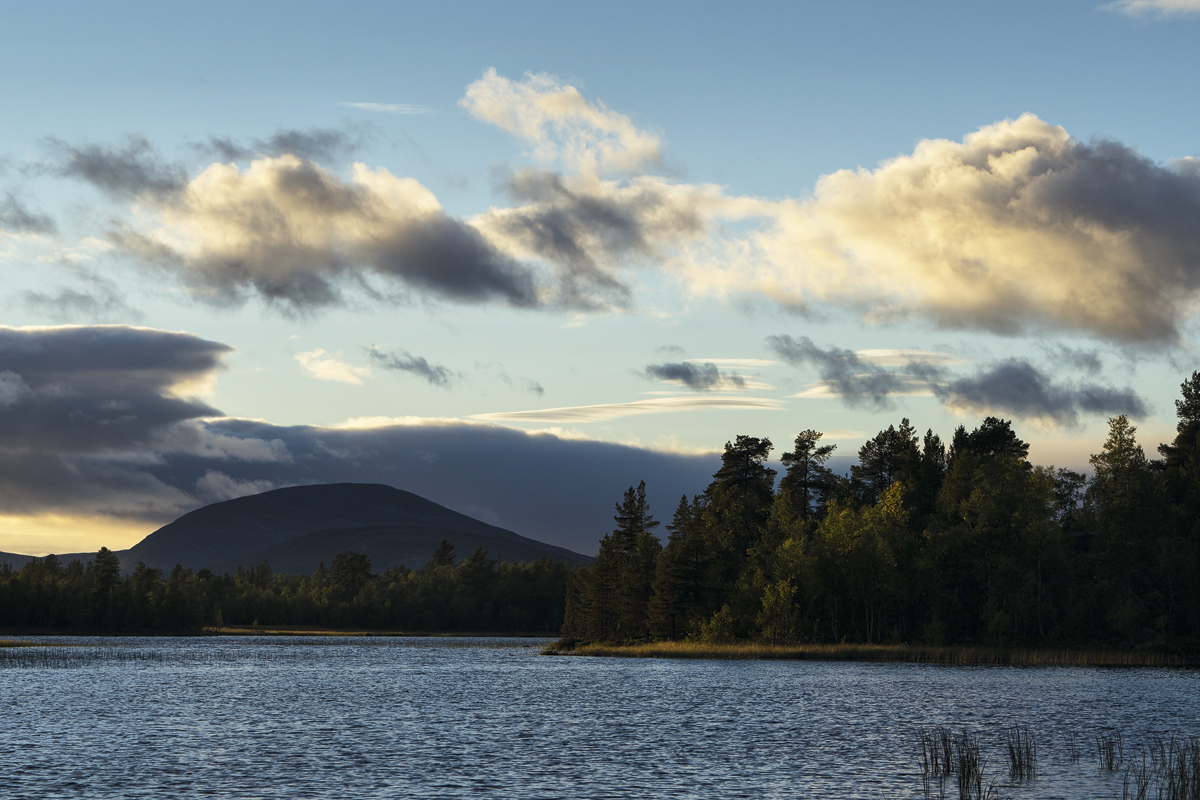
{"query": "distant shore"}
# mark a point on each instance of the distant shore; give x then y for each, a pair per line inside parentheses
(917, 654)
(16, 638)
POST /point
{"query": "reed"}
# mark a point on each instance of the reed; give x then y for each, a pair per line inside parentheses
(1111, 750)
(1138, 776)
(1180, 779)
(920, 654)
(1074, 752)
(1022, 753)
(937, 751)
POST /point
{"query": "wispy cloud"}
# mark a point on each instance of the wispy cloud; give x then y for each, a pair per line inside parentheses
(326, 367)
(561, 124)
(404, 361)
(1154, 8)
(390, 108)
(607, 411)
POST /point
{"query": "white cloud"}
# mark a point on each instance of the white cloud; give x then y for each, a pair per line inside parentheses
(214, 487)
(390, 108)
(1017, 226)
(1154, 8)
(325, 367)
(560, 124)
(607, 411)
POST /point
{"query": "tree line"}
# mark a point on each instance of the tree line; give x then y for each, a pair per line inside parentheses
(477, 594)
(923, 542)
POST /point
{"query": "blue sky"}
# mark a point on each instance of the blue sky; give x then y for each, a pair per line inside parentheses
(324, 234)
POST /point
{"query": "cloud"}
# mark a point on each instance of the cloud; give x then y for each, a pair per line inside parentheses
(390, 108)
(15, 217)
(561, 125)
(1154, 8)
(1016, 388)
(1013, 387)
(606, 411)
(860, 382)
(704, 377)
(129, 171)
(293, 233)
(98, 389)
(404, 361)
(325, 367)
(215, 486)
(314, 144)
(1018, 226)
(1075, 358)
(592, 229)
(534, 387)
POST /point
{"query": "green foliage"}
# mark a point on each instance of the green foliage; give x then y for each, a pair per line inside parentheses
(969, 544)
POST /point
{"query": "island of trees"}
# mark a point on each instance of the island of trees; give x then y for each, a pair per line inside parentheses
(923, 542)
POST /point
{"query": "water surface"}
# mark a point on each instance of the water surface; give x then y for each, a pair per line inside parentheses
(365, 718)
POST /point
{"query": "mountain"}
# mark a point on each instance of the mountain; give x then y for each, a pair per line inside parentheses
(296, 528)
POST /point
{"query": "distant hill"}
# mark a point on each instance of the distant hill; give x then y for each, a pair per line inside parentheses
(296, 528)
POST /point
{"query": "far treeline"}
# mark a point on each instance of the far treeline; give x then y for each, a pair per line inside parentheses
(476, 595)
(922, 543)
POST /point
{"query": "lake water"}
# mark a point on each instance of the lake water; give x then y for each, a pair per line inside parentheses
(445, 718)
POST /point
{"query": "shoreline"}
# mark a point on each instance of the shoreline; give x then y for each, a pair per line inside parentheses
(19, 637)
(960, 655)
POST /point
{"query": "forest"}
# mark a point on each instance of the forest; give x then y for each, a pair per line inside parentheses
(924, 541)
(477, 595)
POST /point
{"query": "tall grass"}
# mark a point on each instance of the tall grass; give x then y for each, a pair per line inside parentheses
(1111, 750)
(921, 654)
(1022, 753)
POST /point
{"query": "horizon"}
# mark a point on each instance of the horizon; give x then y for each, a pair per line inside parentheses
(514, 270)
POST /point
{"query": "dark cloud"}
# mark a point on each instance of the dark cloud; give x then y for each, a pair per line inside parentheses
(1017, 388)
(130, 170)
(16, 217)
(698, 377)
(313, 144)
(1014, 387)
(859, 383)
(535, 388)
(87, 390)
(404, 361)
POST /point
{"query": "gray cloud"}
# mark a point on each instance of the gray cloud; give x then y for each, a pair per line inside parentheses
(1017, 388)
(699, 377)
(87, 390)
(591, 229)
(127, 171)
(1088, 361)
(1013, 387)
(314, 144)
(404, 361)
(534, 387)
(858, 382)
(16, 217)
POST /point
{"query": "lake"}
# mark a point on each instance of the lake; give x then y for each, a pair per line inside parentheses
(262, 717)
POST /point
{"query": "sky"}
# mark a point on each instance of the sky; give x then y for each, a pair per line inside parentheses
(518, 257)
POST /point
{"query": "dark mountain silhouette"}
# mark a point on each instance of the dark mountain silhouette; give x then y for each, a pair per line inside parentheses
(296, 528)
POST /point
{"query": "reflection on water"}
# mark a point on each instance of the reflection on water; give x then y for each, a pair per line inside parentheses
(351, 718)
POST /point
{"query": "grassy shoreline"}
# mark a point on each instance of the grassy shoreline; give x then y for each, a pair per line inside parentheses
(915, 654)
